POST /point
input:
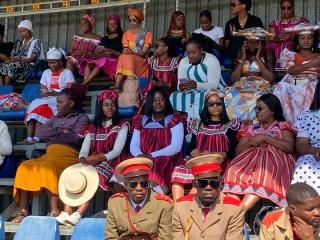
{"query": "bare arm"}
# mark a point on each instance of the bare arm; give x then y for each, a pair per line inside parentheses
(297, 69)
(286, 144)
(243, 145)
(236, 73)
(266, 70)
(303, 147)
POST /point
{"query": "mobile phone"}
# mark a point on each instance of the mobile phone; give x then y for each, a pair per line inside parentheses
(183, 80)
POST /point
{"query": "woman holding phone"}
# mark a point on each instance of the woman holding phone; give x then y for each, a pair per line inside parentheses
(251, 77)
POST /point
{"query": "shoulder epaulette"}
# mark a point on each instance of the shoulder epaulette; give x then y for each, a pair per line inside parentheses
(186, 198)
(163, 197)
(271, 218)
(121, 194)
(231, 200)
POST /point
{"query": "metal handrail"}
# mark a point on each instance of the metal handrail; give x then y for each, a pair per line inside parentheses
(61, 6)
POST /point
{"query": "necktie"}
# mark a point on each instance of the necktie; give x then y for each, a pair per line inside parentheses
(137, 209)
(205, 211)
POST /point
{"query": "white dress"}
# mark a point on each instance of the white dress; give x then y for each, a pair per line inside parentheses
(42, 109)
(307, 168)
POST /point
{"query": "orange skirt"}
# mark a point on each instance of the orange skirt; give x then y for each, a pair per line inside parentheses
(130, 64)
(44, 172)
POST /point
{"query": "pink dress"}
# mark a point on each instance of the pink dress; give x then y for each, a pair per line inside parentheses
(265, 171)
(87, 45)
(278, 27)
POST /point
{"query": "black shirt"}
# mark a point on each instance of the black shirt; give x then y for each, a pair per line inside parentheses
(112, 43)
(235, 43)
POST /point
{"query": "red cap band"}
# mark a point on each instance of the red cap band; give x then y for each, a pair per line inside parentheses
(136, 167)
(209, 167)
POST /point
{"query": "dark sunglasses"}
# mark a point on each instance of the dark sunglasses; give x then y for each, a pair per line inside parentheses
(134, 184)
(202, 183)
(234, 4)
(212, 104)
(286, 8)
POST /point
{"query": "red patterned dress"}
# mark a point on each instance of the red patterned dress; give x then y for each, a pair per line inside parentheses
(166, 71)
(211, 137)
(102, 140)
(156, 138)
(265, 171)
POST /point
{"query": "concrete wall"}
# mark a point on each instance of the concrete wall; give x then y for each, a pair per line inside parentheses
(57, 29)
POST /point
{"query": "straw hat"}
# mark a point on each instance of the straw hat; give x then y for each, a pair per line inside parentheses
(78, 184)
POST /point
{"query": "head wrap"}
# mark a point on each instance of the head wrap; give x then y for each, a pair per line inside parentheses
(114, 18)
(108, 94)
(90, 19)
(303, 28)
(55, 54)
(27, 24)
(254, 33)
(136, 12)
(214, 92)
(1, 30)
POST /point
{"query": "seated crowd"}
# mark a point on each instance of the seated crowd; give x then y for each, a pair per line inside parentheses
(229, 143)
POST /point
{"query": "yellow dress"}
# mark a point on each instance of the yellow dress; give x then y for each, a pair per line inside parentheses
(44, 172)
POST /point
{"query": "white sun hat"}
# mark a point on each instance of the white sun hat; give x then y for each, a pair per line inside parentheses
(78, 184)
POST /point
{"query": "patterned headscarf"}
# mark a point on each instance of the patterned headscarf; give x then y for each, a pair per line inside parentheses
(90, 19)
(114, 18)
(137, 13)
(108, 94)
(214, 92)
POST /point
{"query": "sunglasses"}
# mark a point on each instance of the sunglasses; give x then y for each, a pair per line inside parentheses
(286, 8)
(202, 183)
(234, 4)
(159, 45)
(212, 104)
(134, 184)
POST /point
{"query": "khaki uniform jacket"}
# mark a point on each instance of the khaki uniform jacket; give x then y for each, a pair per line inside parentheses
(154, 217)
(276, 226)
(225, 220)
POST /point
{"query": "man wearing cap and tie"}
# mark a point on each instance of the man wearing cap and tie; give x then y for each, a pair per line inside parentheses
(209, 214)
(139, 213)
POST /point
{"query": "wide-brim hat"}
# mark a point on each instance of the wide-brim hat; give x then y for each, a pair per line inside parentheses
(78, 184)
(254, 33)
(302, 28)
(134, 167)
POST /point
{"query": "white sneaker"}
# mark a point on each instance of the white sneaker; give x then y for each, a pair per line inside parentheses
(61, 219)
(74, 218)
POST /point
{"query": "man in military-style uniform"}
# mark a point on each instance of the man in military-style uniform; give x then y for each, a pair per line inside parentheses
(300, 220)
(209, 214)
(139, 213)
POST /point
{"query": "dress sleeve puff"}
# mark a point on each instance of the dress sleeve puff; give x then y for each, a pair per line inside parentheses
(286, 126)
(302, 125)
(148, 39)
(235, 124)
(88, 128)
(287, 58)
(174, 121)
(137, 122)
(245, 131)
